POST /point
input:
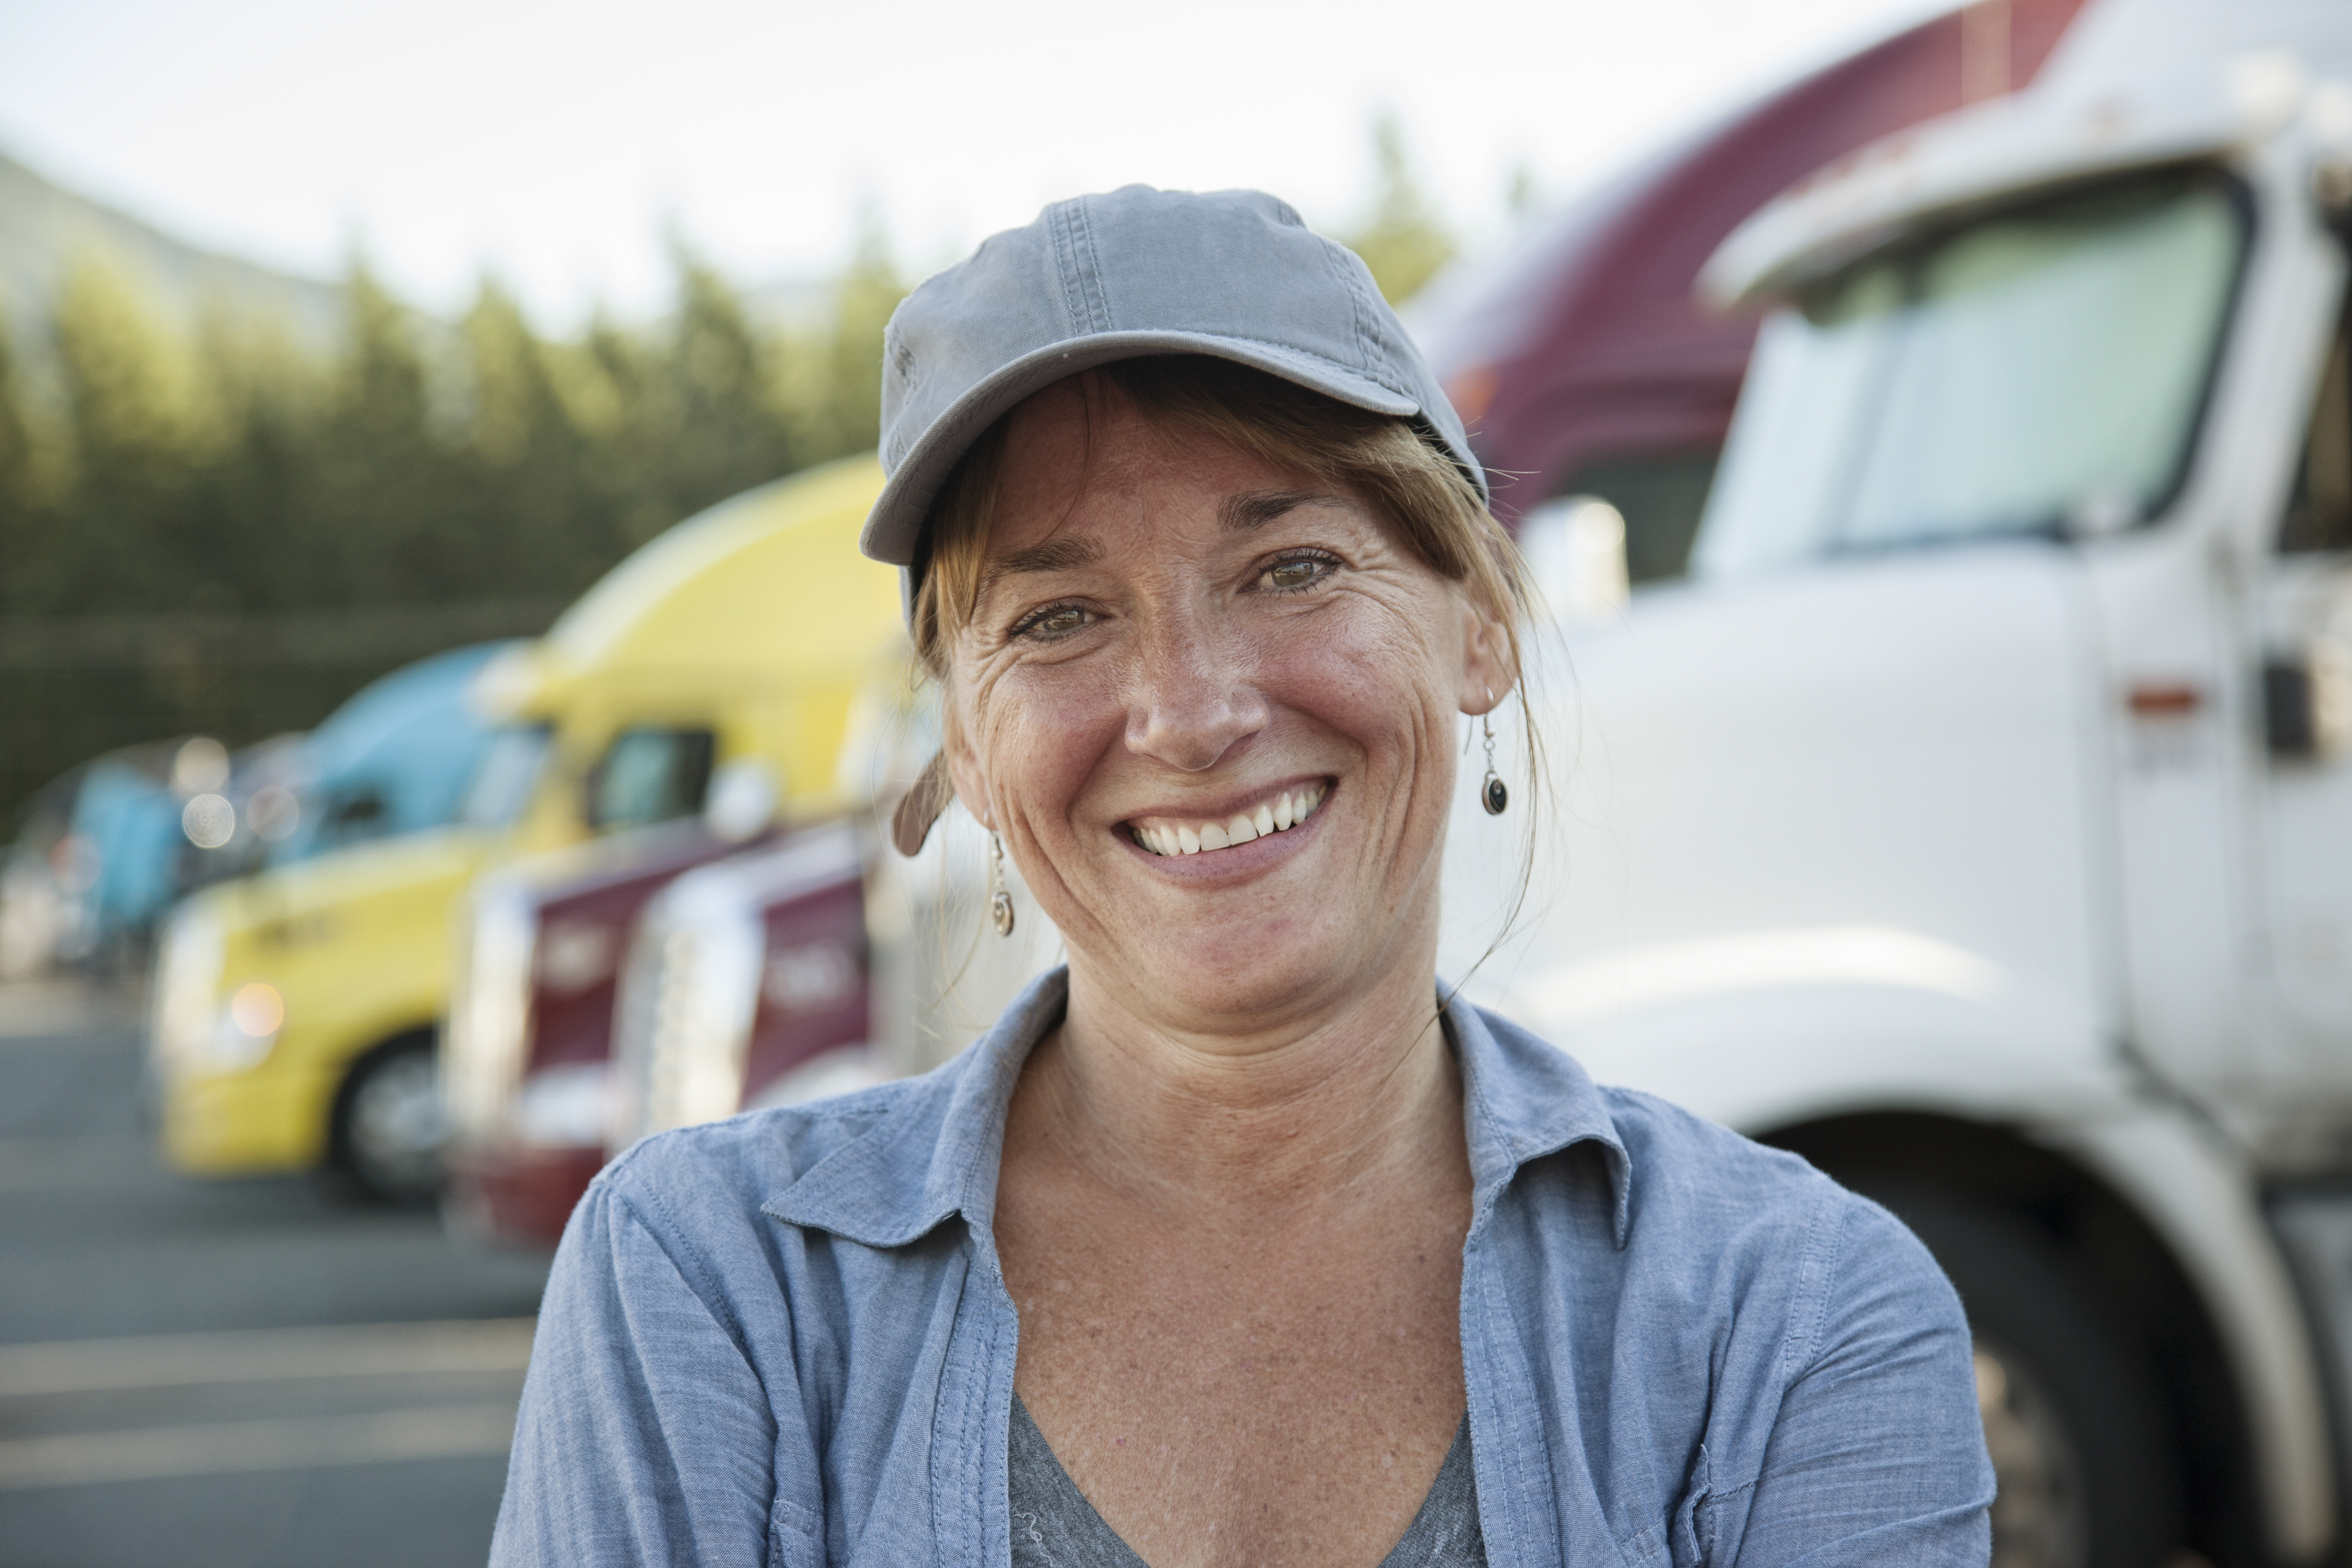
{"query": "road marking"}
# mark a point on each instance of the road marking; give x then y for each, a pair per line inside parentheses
(252, 1356)
(224, 1448)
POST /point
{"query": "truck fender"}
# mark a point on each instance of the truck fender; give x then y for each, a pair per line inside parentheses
(1767, 1028)
(2197, 1194)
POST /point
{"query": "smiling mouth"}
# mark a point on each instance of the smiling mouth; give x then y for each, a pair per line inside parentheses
(1167, 835)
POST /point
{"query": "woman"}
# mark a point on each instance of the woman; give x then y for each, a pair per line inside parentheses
(1236, 1242)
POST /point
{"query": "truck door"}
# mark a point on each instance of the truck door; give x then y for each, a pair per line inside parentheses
(2306, 829)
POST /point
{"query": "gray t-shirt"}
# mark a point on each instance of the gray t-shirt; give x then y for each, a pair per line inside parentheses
(1054, 1525)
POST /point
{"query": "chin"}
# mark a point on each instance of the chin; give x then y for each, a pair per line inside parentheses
(1224, 974)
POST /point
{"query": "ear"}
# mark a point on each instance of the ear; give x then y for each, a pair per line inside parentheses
(964, 768)
(1488, 670)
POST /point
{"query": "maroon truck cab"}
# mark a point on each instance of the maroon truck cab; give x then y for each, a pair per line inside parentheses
(532, 1044)
(750, 984)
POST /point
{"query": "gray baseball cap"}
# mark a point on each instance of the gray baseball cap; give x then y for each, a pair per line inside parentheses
(1233, 274)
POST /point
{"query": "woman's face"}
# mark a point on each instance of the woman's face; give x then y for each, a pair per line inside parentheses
(1177, 650)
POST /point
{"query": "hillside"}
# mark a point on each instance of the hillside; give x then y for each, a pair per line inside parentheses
(44, 226)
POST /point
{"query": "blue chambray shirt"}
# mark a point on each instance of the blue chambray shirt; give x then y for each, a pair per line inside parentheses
(786, 1338)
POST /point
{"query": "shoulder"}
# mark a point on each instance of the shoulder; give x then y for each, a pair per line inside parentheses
(739, 1171)
(1704, 1173)
(1699, 1199)
(758, 1150)
(1697, 1183)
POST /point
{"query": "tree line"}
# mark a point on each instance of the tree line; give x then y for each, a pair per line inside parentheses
(228, 467)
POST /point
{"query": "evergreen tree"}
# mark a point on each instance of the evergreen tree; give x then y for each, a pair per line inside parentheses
(532, 518)
(617, 387)
(255, 500)
(833, 383)
(727, 435)
(20, 526)
(144, 431)
(1405, 242)
(384, 488)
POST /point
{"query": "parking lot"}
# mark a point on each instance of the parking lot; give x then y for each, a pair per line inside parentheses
(242, 1372)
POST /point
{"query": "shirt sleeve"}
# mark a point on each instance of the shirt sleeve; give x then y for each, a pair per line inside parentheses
(645, 1434)
(1877, 1455)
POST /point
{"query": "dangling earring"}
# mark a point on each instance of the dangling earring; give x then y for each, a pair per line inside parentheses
(1000, 902)
(1492, 795)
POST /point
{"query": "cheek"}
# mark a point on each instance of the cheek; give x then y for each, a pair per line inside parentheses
(1039, 740)
(1370, 673)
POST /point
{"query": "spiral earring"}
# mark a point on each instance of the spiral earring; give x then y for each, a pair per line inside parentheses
(1492, 795)
(1000, 901)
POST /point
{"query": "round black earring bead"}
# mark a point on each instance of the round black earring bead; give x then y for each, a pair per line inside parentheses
(1494, 797)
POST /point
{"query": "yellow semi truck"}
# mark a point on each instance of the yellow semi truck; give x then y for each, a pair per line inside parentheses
(296, 1013)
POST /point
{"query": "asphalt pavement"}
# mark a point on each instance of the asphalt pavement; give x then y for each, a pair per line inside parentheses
(252, 1373)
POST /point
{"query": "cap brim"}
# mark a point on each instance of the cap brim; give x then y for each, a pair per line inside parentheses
(895, 527)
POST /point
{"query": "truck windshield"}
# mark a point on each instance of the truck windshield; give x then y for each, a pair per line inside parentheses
(2037, 372)
(506, 775)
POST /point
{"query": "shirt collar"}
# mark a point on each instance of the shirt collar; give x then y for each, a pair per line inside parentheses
(935, 1151)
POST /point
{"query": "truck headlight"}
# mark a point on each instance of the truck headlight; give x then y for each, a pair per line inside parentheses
(188, 986)
(241, 1036)
(489, 1011)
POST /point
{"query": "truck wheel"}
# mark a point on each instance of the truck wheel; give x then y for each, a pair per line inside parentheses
(2073, 1418)
(390, 1128)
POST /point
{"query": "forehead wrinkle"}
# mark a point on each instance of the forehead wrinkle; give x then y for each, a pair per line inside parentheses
(1253, 510)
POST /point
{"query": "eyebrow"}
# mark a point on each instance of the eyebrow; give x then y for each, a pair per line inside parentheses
(1253, 509)
(1047, 555)
(1240, 513)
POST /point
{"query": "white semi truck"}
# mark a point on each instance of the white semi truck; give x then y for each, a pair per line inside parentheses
(1976, 817)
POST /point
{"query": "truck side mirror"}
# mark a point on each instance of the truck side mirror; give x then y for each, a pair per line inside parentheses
(1575, 550)
(2307, 703)
(356, 813)
(742, 802)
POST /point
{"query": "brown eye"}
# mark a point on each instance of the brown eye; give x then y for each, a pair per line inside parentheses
(1058, 622)
(1293, 573)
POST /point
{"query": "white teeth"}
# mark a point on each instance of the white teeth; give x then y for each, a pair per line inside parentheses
(1285, 811)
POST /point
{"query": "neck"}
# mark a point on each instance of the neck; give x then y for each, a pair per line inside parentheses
(1289, 1115)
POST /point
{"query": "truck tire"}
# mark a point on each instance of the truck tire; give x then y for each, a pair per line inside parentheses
(389, 1127)
(2072, 1416)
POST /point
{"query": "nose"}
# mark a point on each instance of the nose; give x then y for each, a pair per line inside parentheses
(1195, 698)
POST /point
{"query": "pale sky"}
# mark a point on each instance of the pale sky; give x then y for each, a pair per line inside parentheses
(553, 141)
